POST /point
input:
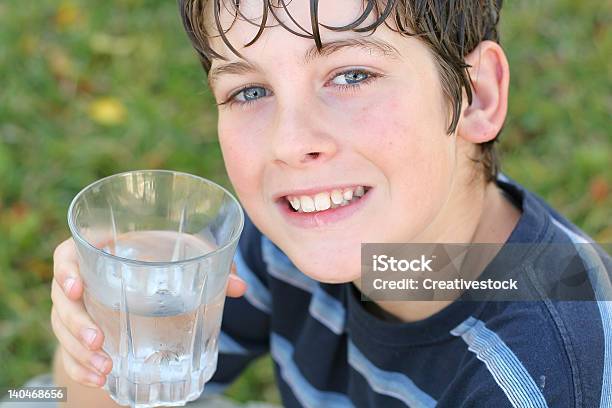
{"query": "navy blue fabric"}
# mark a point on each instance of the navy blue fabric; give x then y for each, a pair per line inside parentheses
(331, 351)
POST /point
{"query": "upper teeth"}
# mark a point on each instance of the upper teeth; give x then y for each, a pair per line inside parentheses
(326, 199)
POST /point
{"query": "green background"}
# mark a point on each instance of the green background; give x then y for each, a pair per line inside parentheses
(92, 88)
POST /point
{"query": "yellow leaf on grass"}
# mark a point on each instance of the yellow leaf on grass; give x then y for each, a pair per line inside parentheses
(67, 14)
(107, 111)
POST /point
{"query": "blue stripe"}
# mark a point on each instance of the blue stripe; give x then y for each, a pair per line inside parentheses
(257, 294)
(227, 345)
(283, 269)
(393, 384)
(305, 393)
(600, 281)
(505, 367)
(328, 310)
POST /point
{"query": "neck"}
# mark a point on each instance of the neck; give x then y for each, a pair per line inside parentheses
(481, 215)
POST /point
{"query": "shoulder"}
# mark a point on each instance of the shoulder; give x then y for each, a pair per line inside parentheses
(532, 354)
(556, 349)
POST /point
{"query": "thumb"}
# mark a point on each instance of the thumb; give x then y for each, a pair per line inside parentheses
(236, 287)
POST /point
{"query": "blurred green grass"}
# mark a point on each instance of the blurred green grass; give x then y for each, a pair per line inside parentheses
(92, 88)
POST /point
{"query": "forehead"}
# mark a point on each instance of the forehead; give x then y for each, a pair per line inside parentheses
(242, 24)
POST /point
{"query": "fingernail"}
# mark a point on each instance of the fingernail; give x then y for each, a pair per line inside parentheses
(89, 335)
(100, 362)
(68, 284)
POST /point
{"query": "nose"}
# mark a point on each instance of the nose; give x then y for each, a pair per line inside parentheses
(300, 138)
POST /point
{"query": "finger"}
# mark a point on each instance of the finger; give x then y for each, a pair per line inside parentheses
(79, 373)
(98, 361)
(236, 287)
(66, 269)
(76, 319)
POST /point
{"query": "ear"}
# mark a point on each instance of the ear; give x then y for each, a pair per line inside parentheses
(483, 119)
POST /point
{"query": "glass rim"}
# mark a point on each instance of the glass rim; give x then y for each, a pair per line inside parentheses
(74, 230)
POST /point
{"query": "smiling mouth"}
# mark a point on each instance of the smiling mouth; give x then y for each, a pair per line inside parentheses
(325, 200)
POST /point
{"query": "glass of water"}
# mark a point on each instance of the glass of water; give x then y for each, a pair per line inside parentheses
(155, 251)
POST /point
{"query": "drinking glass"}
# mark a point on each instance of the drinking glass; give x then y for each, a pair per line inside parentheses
(155, 251)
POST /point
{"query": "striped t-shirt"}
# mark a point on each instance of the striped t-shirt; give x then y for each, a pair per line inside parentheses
(330, 351)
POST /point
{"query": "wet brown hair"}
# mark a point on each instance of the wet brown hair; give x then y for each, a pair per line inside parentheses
(451, 29)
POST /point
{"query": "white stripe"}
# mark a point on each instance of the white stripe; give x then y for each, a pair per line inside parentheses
(257, 294)
(603, 290)
(227, 345)
(327, 310)
(505, 367)
(305, 393)
(502, 177)
(391, 383)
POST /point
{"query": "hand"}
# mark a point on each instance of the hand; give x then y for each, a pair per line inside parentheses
(80, 339)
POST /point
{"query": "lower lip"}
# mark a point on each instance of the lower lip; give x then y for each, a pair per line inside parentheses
(322, 218)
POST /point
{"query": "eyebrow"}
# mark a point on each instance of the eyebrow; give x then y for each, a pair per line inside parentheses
(373, 46)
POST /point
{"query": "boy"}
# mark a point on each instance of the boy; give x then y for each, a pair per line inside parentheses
(349, 122)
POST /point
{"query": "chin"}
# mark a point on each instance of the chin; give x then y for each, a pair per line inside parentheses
(335, 261)
(327, 278)
(330, 273)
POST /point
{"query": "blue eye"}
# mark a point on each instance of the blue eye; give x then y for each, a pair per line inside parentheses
(250, 94)
(351, 77)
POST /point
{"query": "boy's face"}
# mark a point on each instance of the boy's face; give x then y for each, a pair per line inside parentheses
(355, 117)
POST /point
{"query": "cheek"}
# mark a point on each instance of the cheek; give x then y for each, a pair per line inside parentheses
(240, 155)
(405, 137)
